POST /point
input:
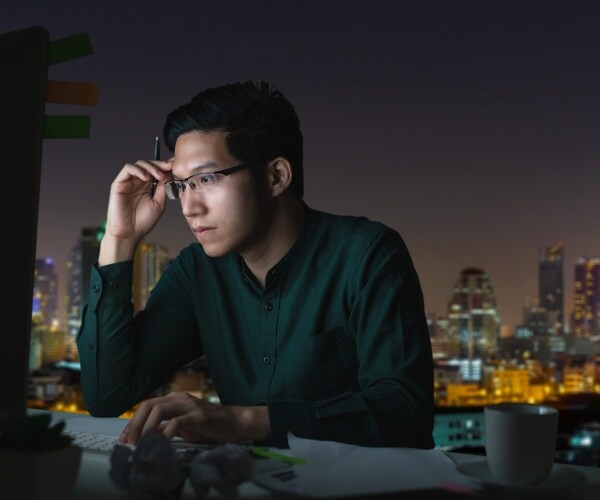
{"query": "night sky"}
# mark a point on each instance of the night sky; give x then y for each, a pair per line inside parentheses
(471, 127)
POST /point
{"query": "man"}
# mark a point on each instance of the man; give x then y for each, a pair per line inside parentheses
(311, 323)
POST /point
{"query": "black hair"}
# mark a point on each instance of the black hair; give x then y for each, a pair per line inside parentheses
(261, 124)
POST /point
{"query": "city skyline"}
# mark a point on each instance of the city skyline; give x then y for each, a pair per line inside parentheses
(470, 127)
(529, 300)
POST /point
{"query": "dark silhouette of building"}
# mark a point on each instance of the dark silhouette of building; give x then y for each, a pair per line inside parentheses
(82, 257)
(551, 285)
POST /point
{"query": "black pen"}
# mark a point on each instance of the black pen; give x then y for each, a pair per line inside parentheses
(156, 157)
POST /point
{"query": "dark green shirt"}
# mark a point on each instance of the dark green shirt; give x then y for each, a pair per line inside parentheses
(336, 344)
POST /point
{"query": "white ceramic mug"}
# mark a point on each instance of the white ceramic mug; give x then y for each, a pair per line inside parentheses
(520, 442)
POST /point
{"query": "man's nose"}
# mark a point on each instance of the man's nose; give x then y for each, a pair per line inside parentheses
(192, 203)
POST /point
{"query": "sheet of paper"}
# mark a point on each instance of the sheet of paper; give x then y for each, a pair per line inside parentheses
(338, 469)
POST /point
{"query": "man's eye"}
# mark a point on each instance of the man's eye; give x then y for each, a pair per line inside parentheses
(206, 179)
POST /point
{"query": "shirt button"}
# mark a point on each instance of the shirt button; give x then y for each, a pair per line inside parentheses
(266, 360)
(112, 284)
(91, 345)
(268, 307)
(96, 289)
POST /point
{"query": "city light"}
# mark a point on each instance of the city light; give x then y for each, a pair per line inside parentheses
(477, 361)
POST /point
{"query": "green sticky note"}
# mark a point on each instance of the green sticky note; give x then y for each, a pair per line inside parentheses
(71, 47)
(66, 127)
(262, 452)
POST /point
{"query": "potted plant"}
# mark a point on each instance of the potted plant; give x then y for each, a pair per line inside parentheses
(37, 460)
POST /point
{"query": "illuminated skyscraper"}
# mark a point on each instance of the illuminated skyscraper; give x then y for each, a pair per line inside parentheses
(473, 318)
(551, 285)
(80, 261)
(45, 300)
(149, 263)
(536, 319)
(586, 297)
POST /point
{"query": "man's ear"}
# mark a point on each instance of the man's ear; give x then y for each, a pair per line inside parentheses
(279, 175)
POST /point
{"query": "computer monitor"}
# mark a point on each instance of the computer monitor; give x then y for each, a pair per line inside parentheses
(23, 74)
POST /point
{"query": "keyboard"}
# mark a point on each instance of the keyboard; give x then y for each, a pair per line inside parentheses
(100, 443)
(90, 441)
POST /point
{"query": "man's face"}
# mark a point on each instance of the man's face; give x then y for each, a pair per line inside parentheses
(226, 218)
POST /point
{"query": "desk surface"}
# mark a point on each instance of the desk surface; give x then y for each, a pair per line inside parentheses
(94, 483)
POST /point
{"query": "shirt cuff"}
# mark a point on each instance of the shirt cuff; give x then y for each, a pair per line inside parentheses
(298, 417)
(111, 283)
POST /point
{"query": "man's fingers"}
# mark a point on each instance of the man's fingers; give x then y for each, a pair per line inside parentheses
(133, 430)
(173, 414)
(161, 411)
(173, 427)
(145, 171)
(191, 427)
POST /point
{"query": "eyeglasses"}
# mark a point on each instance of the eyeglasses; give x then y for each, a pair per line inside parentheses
(199, 183)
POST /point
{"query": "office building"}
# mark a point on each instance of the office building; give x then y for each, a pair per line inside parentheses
(45, 289)
(49, 346)
(473, 320)
(551, 285)
(536, 319)
(82, 257)
(585, 319)
(149, 263)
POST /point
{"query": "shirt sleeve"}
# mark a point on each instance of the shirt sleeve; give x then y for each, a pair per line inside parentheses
(120, 365)
(394, 405)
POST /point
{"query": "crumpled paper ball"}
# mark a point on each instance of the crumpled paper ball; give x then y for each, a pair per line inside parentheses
(223, 468)
(154, 470)
(151, 471)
